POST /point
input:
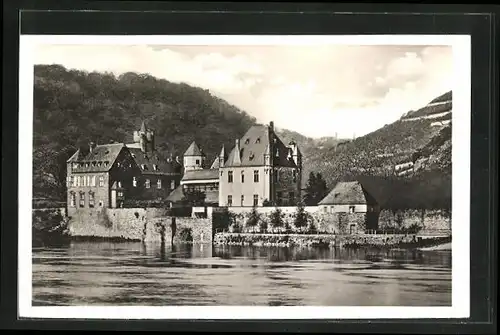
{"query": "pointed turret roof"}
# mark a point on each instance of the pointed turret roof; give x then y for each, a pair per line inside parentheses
(216, 163)
(193, 150)
(144, 128)
(236, 157)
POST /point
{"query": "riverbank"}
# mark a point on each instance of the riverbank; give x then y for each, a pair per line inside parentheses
(342, 241)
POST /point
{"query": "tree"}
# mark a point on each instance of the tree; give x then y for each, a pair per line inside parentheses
(276, 218)
(301, 217)
(194, 198)
(316, 189)
(253, 218)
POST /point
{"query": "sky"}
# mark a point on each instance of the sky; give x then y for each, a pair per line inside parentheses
(316, 90)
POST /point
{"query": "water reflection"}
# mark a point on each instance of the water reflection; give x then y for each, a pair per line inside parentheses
(106, 273)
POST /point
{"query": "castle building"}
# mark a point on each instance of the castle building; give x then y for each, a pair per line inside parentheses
(259, 170)
(105, 176)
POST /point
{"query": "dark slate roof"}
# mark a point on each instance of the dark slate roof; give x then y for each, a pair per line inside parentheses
(193, 150)
(254, 144)
(96, 160)
(204, 174)
(146, 162)
(344, 193)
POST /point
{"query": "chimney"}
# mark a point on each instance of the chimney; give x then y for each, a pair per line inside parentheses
(92, 146)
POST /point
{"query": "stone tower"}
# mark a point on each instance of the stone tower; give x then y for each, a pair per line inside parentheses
(146, 138)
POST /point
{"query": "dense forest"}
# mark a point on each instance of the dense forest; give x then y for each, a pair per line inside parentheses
(74, 107)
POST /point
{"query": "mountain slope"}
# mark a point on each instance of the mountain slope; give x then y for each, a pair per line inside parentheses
(74, 107)
(414, 148)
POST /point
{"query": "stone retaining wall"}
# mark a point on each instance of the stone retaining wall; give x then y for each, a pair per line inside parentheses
(327, 240)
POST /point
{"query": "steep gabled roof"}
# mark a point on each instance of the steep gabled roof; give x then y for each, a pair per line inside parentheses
(100, 159)
(350, 192)
(255, 144)
(153, 163)
(193, 150)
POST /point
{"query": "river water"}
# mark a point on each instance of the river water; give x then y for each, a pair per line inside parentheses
(105, 273)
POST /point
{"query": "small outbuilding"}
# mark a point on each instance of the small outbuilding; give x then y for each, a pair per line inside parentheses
(351, 197)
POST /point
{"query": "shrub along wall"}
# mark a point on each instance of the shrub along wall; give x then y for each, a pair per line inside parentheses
(316, 221)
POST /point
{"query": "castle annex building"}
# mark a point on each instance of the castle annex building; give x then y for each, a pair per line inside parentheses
(109, 174)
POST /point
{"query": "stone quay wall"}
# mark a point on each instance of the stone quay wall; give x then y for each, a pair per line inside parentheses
(139, 224)
(428, 221)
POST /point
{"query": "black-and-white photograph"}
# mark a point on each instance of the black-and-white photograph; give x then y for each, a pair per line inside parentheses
(259, 172)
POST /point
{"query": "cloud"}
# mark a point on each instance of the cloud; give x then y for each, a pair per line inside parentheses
(316, 90)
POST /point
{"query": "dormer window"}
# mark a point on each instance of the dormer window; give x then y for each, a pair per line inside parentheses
(94, 163)
(277, 153)
(251, 156)
(257, 140)
(247, 141)
(75, 165)
(155, 167)
(106, 163)
(144, 167)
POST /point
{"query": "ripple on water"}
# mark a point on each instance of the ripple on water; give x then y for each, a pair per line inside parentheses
(135, 274)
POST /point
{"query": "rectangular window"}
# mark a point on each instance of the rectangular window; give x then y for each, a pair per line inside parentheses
(101, 181)
(351, 209)
(197, 162)
(242, 200)
(148, 183)
(88, 180)
(72, 201)
(82, 200)
(242, 177)
(255, 199)
(91, 200)
(158, 183)
(134, 181)
(256, 176)
(172, 184)
(93, 181)
(73, 181)
(229, 200)
(230, 176)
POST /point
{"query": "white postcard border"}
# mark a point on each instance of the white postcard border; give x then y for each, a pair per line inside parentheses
(460, 186)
